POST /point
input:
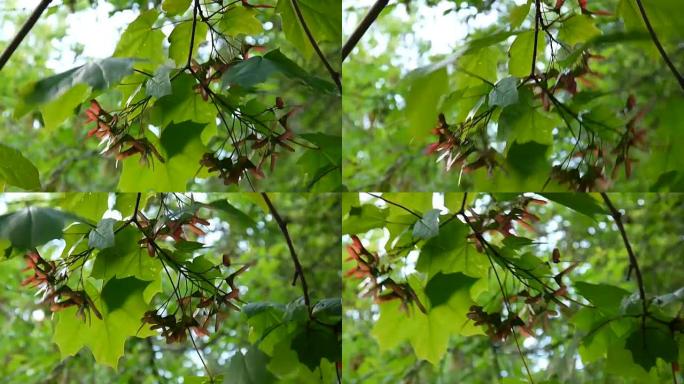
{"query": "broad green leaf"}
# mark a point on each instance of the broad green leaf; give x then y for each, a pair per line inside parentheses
(160, 84)
(258, 69)
(33, 226)
(518, 14)
(364, 218)
(179, 41)
(141, 41)
(183, 104)
(578, 29)
(58, 110)
(103, 236)
(240, 20)
(606, 298)
(667, 299)
(504, 93)
(328, 311)
(323, 17)
(249, 368)
(313, 343)
(650, 344)
(99, 75)
(182, 148)
(126, 259)
(422, 103)
(450, 252)
(529, 161)
(442, 287)
(428, 226)
(521, 53)
(583, 203)
(236, 217)
(16, 170)
(122, 305)
(524, 122)
(330, 146)
(89, 205)
(175, 7)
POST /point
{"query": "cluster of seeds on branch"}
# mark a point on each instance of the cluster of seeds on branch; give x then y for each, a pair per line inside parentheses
(498, 329)
(52, 285)
(113, 135)
(634, 137)
(377, 281)
(501, 220)
(459, 151)
(173, 228)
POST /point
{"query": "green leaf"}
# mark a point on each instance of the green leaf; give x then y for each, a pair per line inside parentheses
(257, 69)
(606, 298)
(518, 14)
(179, 41)
(16, 170)
(89, 205)
(183, 104)
(160, 84)
(450, 252)
(329, 145)
(427, 226)
(240, 20)
(33, 226)
(175, 7)
(314, 343)
(141, 41)
(235, 216)
(364, 218)
(504, 93)
(521, 53)
(328, 310)
(524, 122)
(58, 110)
(667, 299)
(126, 259)
(584, 203)
(441, 287)
(249, 368)
(578, 29)
(103, 236)
(422, 102)
(650, 344)
(99, 75)
(122, 305)
(324, 19)
(182, 148)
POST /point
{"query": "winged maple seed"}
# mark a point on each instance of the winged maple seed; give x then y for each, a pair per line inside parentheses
(173, 228)
(378, 283)
(459, 151)
(53, 286)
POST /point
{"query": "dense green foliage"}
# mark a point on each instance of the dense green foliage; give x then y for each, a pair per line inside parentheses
(195, 96)
(166, 288)
(589, 105)
(544, 282)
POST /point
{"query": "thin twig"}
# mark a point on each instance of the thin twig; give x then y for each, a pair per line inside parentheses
(333, 74)
(617, 217)
(654, 37)
(299, 271)
(361, 29)
(25, 29)
(396, 205)
(192, 34)
(537, 17)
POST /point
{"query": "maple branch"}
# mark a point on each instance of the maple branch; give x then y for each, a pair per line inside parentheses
(333, 74)
(396, 205)
(299, 271)
(25, 29)
(654, 37)
(361, 29)
(537, 17)
(192, 34)
(617, 217)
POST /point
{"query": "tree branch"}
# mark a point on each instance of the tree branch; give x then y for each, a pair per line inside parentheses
(617, 217)
(25, 29)
(192, 34)
(299, 271)
(537, 17)
(396, 205)
(654, 37)
(333, 74)
(361, 29)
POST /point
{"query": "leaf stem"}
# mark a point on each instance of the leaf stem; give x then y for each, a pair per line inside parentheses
(333, 74)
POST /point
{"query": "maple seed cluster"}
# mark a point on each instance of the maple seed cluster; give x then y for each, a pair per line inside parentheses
(173, 228)
(116, 140)
(455, 150)
(55, 291)
(497, 329)
(378, 284)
